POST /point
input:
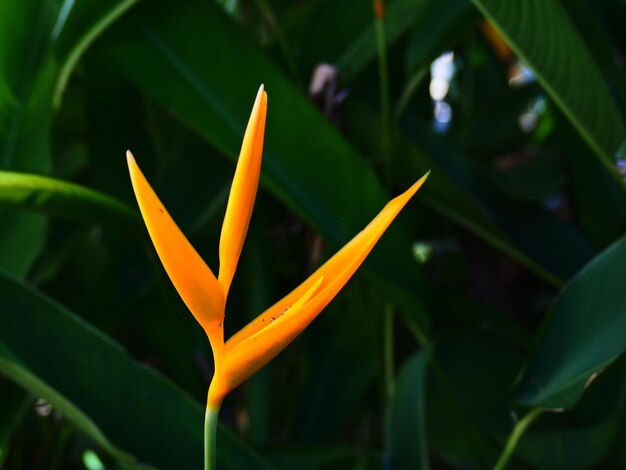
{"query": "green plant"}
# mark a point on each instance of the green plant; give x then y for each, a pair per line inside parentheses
(486, 328)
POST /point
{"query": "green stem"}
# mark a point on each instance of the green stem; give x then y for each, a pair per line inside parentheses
(81, 46)
(381, 45)
(421, 337)
(514, 437)
(210, 437)
(409, 91)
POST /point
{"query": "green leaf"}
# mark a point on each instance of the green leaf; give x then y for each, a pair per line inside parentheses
(89, 378)
(474, 314)
(26, 75)
(468, 409)
(28, 72)
(596, 196)
(592, 21)
(314, 458)
(59, 198)
(11, 367)
(406, 427)
(86, 21)
(456, 193)
(543, 35)
(21, 239)
(582, 333)
(13, 408)
(338, 350)
(26, 79)
(584, 436)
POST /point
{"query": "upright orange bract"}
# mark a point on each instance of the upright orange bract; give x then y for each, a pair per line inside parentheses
(205, 295)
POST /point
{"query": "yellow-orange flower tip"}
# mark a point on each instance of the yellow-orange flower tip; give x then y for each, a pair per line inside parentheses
(256, 344)
(242, 193)
(336, 271)
(417, 185)
(192, 278)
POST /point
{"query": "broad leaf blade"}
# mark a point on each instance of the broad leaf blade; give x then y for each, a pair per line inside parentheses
(585, 435)
(78, 26)
(56, 197)
(583, 332)
(28, 72)
(11, 367)
(111, 397)
(542, 34)
(26, 81)
(13, 407)
(406, 429)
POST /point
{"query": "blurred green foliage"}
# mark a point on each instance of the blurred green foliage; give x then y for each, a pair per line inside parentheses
(497, 293)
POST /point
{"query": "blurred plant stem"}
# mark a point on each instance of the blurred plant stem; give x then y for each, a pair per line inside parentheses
(388, 342)
(83, 44)
(381, 45)
(442, 379)
(408, 92)
(518, 431)
(210, 436)
(419, 335)
(378, 7)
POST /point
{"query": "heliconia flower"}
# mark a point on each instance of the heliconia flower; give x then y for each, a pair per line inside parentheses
(205, 295)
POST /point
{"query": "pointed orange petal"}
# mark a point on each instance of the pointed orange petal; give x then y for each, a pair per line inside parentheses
(242, 193)
(253, 353)
(192, 278)
(257, 343)
(351, 255)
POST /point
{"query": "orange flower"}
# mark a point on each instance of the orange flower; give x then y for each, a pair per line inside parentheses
(205, 295)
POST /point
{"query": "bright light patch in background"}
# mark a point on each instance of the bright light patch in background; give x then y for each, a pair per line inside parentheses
(441, 71)
(92, 461)
(422, 251)
(229, 5)
(520, 75)
(620, 159)
(62, 18)
(443, 66)
(528, 120)
(42, 407)
(438, 88)
(443, 112)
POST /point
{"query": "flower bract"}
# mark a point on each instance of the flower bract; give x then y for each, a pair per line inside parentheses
(205, 295)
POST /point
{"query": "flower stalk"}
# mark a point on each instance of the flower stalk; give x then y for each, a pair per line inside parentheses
(383, 77)
(518, 431)
(210, 437)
